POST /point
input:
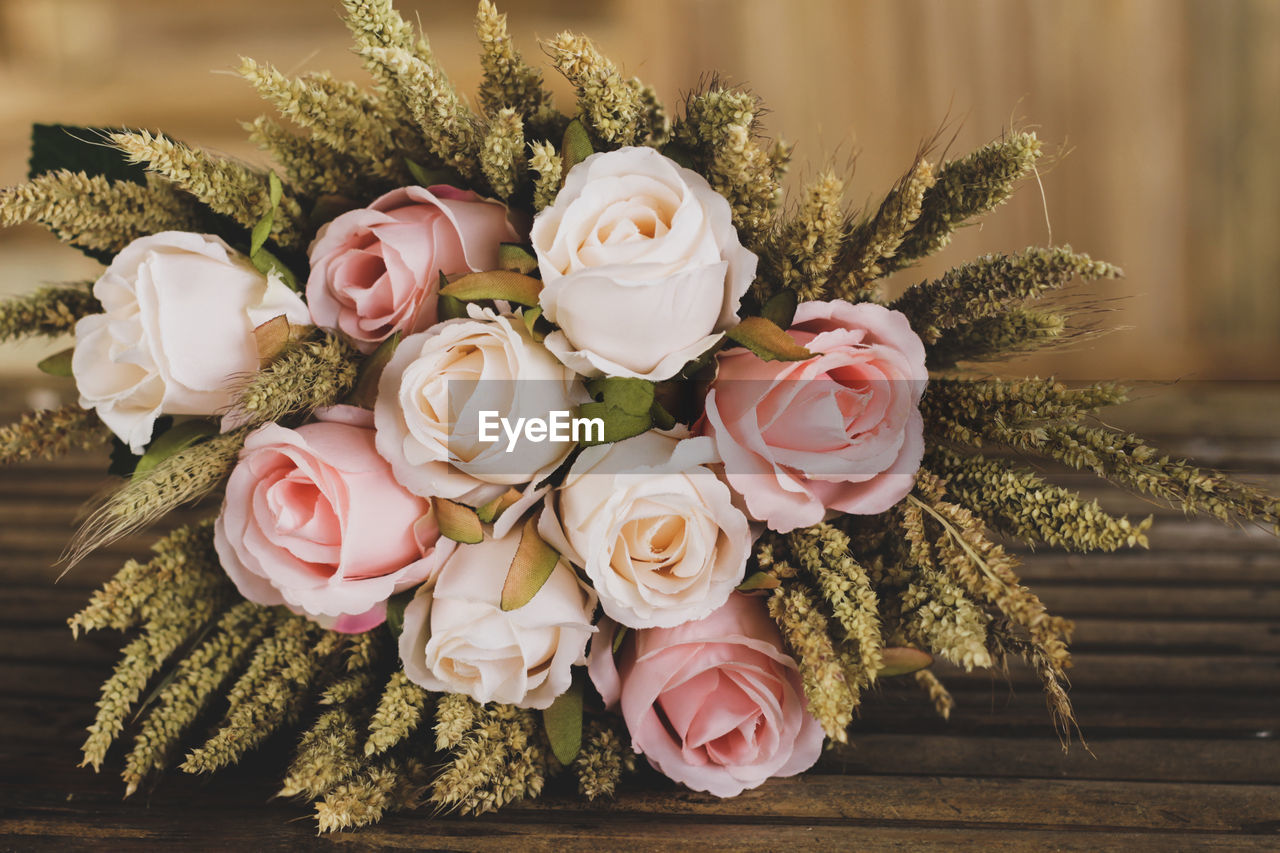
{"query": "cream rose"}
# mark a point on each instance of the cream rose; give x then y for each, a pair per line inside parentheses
(177, 326)
(641, 266)
(433, 390)
(458, 639)
(653, 528)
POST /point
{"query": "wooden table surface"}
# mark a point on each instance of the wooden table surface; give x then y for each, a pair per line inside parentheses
(1176, 686)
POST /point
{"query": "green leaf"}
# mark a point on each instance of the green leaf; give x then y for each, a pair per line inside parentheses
(458, 522)
(425, 177)
(516, 258)
(58, 364)
(275, 189)
(266, 263)
(768, 341)
(660, 417)
(531, 316)
(365, 392)
(489, 512)
(262, 229)
(624, 404)
(395, 610)
(123, 459)
(618, 425)
(619, 634)
(681, 154)
(173, 441)
(563, 722)
(80, 149)
(576, 146)
(781, 308)
(759, 580)
(531, 566)
(898, 660)
(495, 284)
(701, 363)
(450, 308)
(633, 396)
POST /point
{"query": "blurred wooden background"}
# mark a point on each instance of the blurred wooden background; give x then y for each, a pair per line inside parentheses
(1165, 111)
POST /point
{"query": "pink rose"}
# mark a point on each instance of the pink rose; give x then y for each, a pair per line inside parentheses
(376, 271)
(841, 431)
(714, 704)
(314, 520)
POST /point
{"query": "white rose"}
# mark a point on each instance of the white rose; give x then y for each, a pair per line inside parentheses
(458, 639)
(652, 526)
(433, 390)
(641, 266)
(180, 310)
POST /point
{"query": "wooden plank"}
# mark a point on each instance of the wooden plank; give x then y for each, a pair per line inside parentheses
(1058, 804)
(1133, 601)
(1254, 760)
(1156, 568)
(1102, 636)
(53, 725)
(575, 831)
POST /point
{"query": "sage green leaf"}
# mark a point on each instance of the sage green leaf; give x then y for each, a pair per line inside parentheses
(682, 154)
(262, 229)
(449, 307)
(899, 660)
(759, 580)
(563, 722)
(660, 417)
(395, 610)
(767, 340)
(489, 512)
(434, 177)
(618, 425)
(781, 308)
(458, 522)
(495, 284)
(624, 404)
(516, 258)
(576, 146)
(275, 189)
(633, 396)
(171, 441)
(531, 566)
(701, 363)
(266, 263)
(365, 392)
(531, 316)
(58, 364)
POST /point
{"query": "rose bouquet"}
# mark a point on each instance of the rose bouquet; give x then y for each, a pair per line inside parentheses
(545, 442)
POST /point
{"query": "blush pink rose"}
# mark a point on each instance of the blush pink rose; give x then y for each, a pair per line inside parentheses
(714, 704)
(376, 271)
(314, 520)
(841, 431)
